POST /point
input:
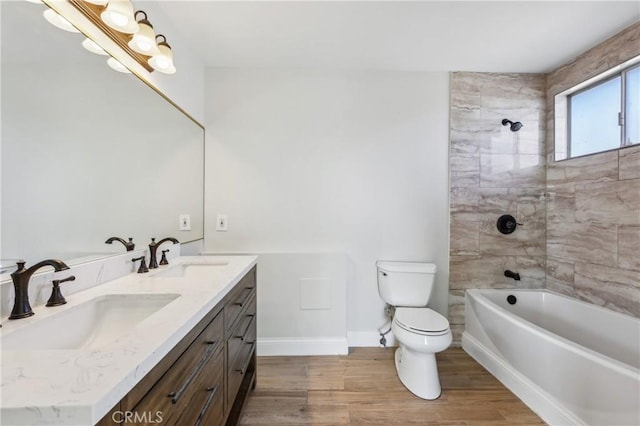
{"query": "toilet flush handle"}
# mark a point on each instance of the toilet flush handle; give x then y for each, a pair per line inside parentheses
(384, 274)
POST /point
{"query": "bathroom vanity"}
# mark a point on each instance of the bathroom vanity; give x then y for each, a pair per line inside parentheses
(186, 354)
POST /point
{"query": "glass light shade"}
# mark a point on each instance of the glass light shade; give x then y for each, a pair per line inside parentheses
(35, 1)
(119, 16)
(117, 65)
(163, 61)
(59, 21)
(93, 47)
(144, 41)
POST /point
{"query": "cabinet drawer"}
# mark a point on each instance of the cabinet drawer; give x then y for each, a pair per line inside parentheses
(236, 345)
(206, 407)
(243, 332)
(238, 300)
(240, 348)
(173, 391)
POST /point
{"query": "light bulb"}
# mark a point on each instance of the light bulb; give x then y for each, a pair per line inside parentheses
(163, 61)
(144, 41)
(93, 47)
(119, 16)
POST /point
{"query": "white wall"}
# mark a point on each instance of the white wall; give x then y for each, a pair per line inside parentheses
(321, 161)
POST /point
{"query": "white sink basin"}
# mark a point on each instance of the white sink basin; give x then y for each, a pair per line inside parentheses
(90, 325)
(184, 270)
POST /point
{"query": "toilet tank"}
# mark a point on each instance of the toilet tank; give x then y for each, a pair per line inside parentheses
(406, 283)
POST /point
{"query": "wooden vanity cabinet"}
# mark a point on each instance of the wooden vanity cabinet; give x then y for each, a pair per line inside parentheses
(205, 379)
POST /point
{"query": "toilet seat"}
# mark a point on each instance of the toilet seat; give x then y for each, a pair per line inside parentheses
(423, 321)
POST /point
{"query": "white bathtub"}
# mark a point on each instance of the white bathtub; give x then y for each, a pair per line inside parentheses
(571, 362)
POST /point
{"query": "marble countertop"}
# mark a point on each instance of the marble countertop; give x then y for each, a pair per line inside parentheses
(80, 386)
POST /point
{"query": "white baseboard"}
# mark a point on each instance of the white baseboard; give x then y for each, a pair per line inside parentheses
(368, 339)
(302, 346)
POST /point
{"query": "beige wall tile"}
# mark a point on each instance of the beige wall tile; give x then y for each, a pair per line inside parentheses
(614, 288)
(597, 167)
(527, 240)
(480, 272)
(630, 163)
(504, 170)
(465, 170)
(464, 237)
(531, 270)
(629, 247)
(615, 202)
(560, 276)
(493, 172)
(583, 242)
(561, 203)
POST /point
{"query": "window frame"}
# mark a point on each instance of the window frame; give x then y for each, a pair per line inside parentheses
(562, 114)
(586, 89)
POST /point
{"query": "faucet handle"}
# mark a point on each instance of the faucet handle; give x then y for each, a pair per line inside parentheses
(163, 260)
(143, 264)
(57, 298)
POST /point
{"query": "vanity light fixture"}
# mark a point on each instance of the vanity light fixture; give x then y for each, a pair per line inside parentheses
(131, 31)
(59, 21)
(163, 61)
(119, 16)
(93, 47)
(144, 41)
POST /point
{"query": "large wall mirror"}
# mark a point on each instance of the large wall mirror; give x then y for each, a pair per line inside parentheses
(87, 153)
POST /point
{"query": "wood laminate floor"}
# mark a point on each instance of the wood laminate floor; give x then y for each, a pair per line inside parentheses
(362, 388)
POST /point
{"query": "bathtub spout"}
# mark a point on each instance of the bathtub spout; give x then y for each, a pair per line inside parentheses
(511, 274)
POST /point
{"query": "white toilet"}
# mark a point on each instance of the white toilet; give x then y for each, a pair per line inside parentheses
(421, 332)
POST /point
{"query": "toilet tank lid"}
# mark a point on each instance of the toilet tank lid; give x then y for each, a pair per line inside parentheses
(415, 267)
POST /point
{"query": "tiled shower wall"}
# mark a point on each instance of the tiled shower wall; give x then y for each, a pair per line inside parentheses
(593, 207)
(493, 172)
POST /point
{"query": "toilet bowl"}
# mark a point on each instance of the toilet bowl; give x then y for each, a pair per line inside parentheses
(420, 331)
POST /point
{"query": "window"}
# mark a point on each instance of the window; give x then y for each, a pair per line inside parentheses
(601, 114)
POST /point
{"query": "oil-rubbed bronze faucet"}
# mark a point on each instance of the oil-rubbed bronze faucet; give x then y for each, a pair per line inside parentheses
(56, 298)
(143, 265)
(128, 245)
(163, 259)
(153, 248)
(21, 277)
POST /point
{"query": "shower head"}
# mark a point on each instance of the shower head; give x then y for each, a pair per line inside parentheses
(514, 126)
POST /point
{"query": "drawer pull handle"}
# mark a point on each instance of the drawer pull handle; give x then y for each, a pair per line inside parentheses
(244, 333)
(203, 412)
(251, 315)
(210, 342)
(240, 370)
(241, 304)
(175, 396)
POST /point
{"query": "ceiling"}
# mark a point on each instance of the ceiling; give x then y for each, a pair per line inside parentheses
(503, 36)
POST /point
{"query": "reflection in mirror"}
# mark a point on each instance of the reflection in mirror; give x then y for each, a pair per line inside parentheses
(87, 153)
